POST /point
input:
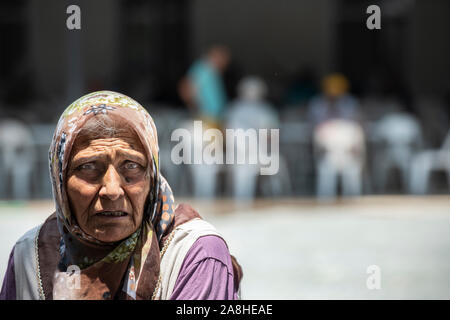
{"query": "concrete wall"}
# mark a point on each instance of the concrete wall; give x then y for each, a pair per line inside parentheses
(430, 47)
(267, 37)
(47, 44)
(52, 45)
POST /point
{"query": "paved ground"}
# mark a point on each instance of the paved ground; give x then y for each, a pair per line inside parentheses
(299, 249)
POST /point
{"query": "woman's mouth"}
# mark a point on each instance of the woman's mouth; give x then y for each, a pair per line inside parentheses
(111, 214)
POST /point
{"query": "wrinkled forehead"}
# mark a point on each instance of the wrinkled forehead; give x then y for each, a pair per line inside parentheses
(106, 129)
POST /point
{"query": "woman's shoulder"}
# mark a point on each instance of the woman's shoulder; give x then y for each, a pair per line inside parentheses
(29, 237)
(197, 225)
(26, 265)
(208, 247)
(189, 228)
(195, 231)
(25, 248)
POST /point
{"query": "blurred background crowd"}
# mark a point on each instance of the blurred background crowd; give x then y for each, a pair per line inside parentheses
(359, 111)
(362, 114)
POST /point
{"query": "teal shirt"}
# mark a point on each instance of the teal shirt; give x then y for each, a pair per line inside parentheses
(210, 92)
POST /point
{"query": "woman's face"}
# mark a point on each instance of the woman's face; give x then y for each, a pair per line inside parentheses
(108, 185)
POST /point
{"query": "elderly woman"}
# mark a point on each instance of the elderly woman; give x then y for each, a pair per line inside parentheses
(116, 232)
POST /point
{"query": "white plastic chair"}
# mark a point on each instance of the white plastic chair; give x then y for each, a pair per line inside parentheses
(42, 136)
(167, 119)
(18, 157)
(398, 136)
(425, 162)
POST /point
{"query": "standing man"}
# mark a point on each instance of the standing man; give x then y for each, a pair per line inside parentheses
(203, 89)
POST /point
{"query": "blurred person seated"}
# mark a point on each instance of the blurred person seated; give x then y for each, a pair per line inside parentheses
(432, 113)
(250, 111)
(334, 103)
(398, 137)
(17, 158)
(340, 151)
(205, 175)
(203, 88)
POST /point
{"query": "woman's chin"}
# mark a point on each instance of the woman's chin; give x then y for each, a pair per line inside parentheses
(113, 231)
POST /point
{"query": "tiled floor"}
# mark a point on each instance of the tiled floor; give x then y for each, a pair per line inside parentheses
(300, 249)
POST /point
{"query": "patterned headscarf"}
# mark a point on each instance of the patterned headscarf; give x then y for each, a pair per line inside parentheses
(79, 248)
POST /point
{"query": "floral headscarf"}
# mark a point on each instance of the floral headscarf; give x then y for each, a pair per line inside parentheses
(125, 260)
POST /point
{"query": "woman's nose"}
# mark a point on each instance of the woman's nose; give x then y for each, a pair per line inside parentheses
(112, 185)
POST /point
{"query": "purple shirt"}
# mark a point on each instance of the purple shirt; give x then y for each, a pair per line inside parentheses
(9, 282)
(206, 273)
